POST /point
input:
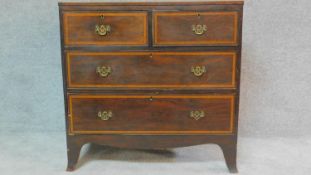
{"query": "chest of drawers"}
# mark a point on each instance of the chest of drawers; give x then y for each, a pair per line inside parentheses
(151, 75)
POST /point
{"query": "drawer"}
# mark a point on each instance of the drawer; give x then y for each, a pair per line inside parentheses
(105, 28)
(196, 28)
(143, 114)
(151, 69)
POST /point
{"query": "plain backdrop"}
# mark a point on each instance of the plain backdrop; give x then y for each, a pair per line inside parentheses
(276, 68)
(275, 84)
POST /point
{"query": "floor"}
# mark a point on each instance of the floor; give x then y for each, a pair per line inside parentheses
(45, 153)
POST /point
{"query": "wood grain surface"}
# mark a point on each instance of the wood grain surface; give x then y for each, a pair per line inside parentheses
(160, 114)
(127, 28)
(152, 69)
(175, 28)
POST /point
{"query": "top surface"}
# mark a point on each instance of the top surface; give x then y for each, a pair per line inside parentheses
(147, 2)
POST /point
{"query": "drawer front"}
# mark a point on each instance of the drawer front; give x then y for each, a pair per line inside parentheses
(142, 114)
(152, 70)
(193, 28)
(105, 28)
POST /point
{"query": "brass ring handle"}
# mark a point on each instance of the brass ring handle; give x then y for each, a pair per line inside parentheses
(198, 70)
(199, 29)
(104, 115)
(102, 29)
(103, 71)
(197, 114)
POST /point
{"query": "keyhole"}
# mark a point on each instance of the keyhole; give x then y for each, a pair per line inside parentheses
(199, 15)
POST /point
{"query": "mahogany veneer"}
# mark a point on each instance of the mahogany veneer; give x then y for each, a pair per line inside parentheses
(152, 75)
(172, 28)
(153, 69)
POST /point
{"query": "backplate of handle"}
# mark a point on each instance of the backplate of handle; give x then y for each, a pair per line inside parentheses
(197, 115)
(198, 70)
(199, 29)
(102, 29)
(104, 115)
(103, 71)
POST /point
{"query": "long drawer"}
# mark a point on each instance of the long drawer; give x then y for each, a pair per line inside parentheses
(151, 69)
(143, 114)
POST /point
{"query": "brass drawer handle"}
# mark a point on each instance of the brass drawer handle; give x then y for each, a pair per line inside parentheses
(198, 70)
(105, 115)
(102, 29)
(199, 29)
(197, 114)
(103, 71)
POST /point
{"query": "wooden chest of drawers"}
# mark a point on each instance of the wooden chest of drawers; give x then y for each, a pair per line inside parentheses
(151, 75)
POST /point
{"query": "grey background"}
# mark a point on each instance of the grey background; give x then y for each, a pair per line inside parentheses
(276, 68)
(275, 86)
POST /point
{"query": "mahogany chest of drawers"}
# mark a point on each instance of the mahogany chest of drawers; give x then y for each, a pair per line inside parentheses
(151, 75)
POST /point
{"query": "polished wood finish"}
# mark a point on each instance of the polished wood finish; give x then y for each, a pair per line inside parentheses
(175, 28)
(152, 69)
(163, 3)
(152, 75)
(160, 114)
(127, 28)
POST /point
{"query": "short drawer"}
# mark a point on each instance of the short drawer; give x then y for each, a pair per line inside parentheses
(151, 70)
(196, 28)
(143, 114)
(106, 28)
